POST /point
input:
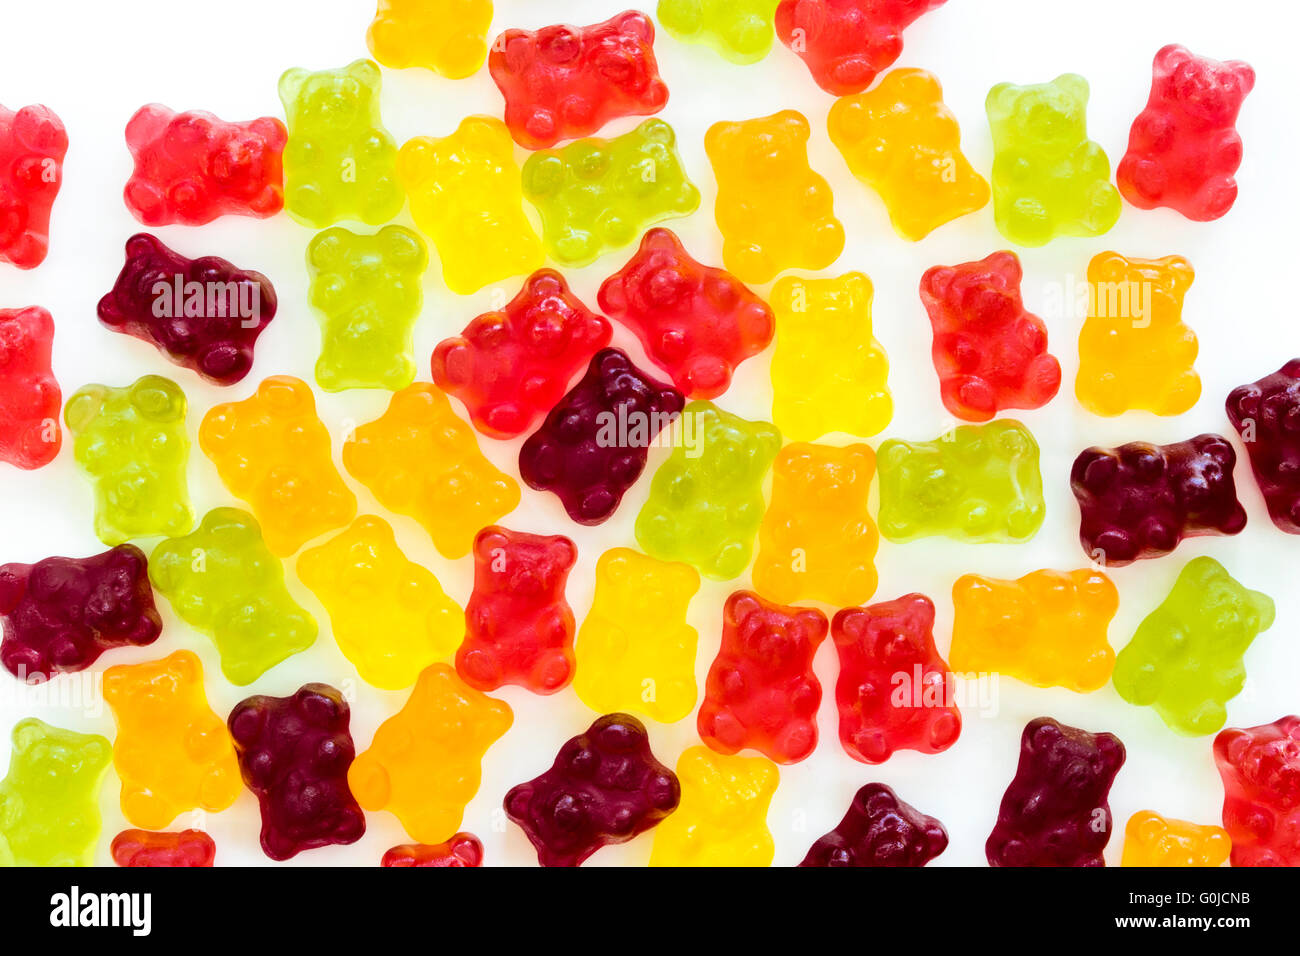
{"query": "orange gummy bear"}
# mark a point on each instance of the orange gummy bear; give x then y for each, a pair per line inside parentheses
(1153, 840)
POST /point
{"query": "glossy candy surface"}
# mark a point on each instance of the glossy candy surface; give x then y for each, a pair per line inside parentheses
(183, 848)
(1261, 804)
(33, 143)
(879, 829)
(1266, 414)
(462, 850)
(30, 397)
(722, 819)
(739, 30)
(446, 36)
(1153, 840)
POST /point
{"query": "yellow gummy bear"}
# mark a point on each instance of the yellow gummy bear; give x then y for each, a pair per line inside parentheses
(635, 650)
(722, 817)
(1047, 628)
(1134, 350)
(424, 764)
(446, 36)
(773, 211)
(420, 460)
(172, 752)
(467, 196)
(1153, 840)
(391, 617)
(901, 140)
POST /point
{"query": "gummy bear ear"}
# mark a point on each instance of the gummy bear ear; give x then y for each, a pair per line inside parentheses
(328, 249)
(1169, 58)
(794, 125)
(1290, 725)
(1073, 85)
(290, 85)
(404, 247)
(158, 399)
(1243, 73)
(365, 72)
(1001, 101)
(637, 24)
(27, 732)
(84, 407)
(1151, 828)
(657, 131)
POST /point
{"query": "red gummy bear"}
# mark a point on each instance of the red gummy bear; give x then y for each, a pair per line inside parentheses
(192, 167)
(33, 143)
(1267, 414)
(761, 691)
(564, 82)
(880, 830)
(1183, 149)
(510, 367)
(876, 644)
(30, 398)
(294, 753)
(143, 848)
(60, 614)
(211, 311)
(990, 352)
(1055, 811)
(695, 322)
(845, 43)
(463, 849)
(1260, 767)
(518, 626)
(605, 787)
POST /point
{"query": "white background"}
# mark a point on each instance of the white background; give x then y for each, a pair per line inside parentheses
(95, 63)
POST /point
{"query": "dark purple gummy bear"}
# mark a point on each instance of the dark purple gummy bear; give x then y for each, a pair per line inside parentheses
(294, 754)
(592, 446)
(203, 314)
(1267, 415)
(1139, 500)
(60, 614)
(604, 787)
(880, 830)
(1055, 812)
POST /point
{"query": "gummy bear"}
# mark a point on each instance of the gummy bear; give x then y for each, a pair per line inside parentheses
(60, 614)
(466, 196)
(446, 36)
(1185, 659)
(593, 445)
(1134, 350)
(1261, 805)
(1140, 500)
(462, 850)
(635, 650)
(1183, 147)
(339, 163)
(222, 580)
(1055, 811)
(706, 499)
(1153, 840)
(367, 290)
(49, 801)
(563, 82)
(880, 830)
(829, 374)
(142, 848)
(511, 365)
(605, 787)
(420, 460)
(518, 624)
(203, 314)
(975, 483)
(901, 140)
(722, 819)
(191, 168)
(695, 322)
(391, 617)
(989, 350)
(30, 397)
(33, 143)
(423, 765)
(294, 754)
(172, 752)
(882, 649)
(600, 194)
(845, 43)
(272, 451)
(131, 443)
(1049, 179)
(774, 212)
(761, 692)
(1267, 415)
(739, 30)
(1047, 628)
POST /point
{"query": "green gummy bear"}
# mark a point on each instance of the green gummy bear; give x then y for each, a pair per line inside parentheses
(706, 499)
(1185, 659)
(49, 801)
(225, 582)
(339, 162)
(739, 30)
(1049, 179)
(367, 289)
(131, 443)
(599, 194)
(975, 483)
